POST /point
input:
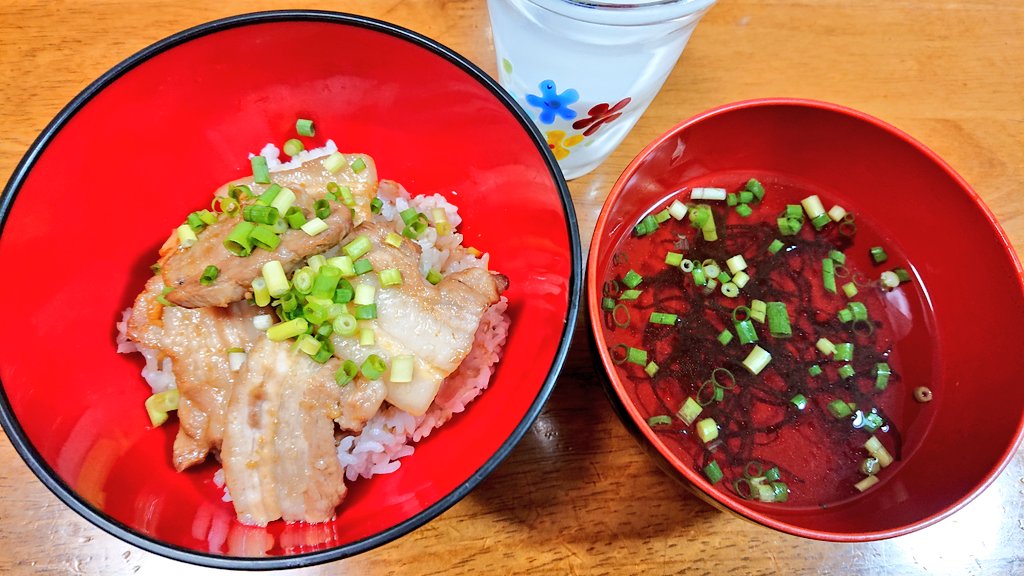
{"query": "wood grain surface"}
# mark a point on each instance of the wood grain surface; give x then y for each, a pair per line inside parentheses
(578, 496)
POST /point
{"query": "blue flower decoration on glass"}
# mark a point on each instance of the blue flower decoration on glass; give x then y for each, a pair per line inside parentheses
(552, 104)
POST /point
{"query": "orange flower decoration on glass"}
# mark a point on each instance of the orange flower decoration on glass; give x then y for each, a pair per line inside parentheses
(599, 116)
(560, 145)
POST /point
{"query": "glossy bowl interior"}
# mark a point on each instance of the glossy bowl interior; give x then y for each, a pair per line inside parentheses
(148, 142)
(919, 203)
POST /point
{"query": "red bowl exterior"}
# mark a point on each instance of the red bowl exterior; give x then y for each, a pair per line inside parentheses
(938, 221)
(148, 142)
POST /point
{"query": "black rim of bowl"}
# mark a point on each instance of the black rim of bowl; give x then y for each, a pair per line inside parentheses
(52, 481)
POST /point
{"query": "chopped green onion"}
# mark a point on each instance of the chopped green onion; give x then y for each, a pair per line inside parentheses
(846, 371)
(326, 282)
(362, 266)
(800, 401)
(872, 422)
(209, 275)
(239, 192)
(263, 236)
(775, 246)
(732, 199)
(637, 356)
(843, 352)
(646, 226)
(186, 236)
(707, 430)
(358, 247)
(433, 276)
(358, 165)
(756, 361)
(366, 312)
(713, 472)
(365, 294)
(393, 239)
(366, 337)
(698, 276)
(866, 482)
(632, 279)
(344, 264)
(238, 242)
(322, 208)
(662, 216)
(277, 281)
(260, 292)
(630, 294)
(850, 289)
(316, 262)
(745, 197)
(293, 146)
(875, 448)
(902, 274)
(402, 367)
(345, 324)
(159, 404)
(314, 227)
(373, 367)
(677, 210)
(390, 277)
(689, 411)
(283, 201)
(858, 309)
(755, 187)
(302, 280)
(285, 330)
(878, 254)
(724, 337)
(260, 214)
(195, 222)
(839, 409)
(663, 318)
(304, 127)
(375, 205)
(673, 259)
(346, 372)
(825, 346)
(778, 320)
(295, 217)
(308, 344)
(814, 370)
(335, 162)
(269, 195)
(882, 374)
(740, 279)
(758, 310)
(828, 274)
(837, 256)
(651, 369)
(745, 331)
(744, 210)
(659, 420)
(260, 172)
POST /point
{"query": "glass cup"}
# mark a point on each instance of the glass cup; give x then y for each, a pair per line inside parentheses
(586, 70)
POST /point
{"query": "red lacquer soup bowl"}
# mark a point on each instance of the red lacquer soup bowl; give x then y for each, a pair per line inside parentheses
(147, 143)
(953, 327)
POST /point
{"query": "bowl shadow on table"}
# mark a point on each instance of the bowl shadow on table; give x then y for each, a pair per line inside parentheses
(559, 483)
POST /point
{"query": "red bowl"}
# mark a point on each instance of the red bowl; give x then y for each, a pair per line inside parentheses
(917, 202)
(147, 143)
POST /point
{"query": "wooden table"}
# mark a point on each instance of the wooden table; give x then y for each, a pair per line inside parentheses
(577, 496)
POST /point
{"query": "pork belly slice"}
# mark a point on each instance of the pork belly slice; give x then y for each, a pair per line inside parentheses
(435, 324)
(182, 268)
(196, 341)
(279, 455)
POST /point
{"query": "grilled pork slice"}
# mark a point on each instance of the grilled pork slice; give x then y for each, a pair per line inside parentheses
(279, 455)
(197, 341)
(182, 267)
(435, 324)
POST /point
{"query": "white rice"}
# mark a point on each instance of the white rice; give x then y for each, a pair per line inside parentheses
(389, 435)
